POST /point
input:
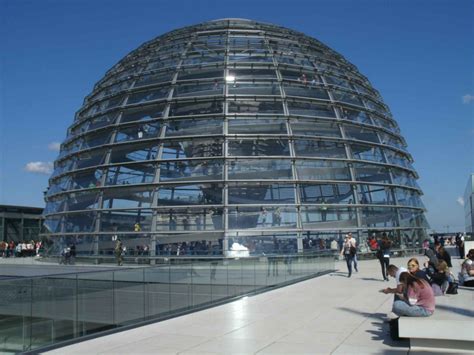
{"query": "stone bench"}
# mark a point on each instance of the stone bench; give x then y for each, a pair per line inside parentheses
(450, 329)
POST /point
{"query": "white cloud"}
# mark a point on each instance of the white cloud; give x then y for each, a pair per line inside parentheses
(460, 200)
(467, 98)
(54, 146)
(39, 167)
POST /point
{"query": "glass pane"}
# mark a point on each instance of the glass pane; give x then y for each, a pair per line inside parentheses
(189, 170)
(129, 197)
(322, 170)
(354, 115)
(240, 88)
(129, 297)
(375, 194)
(200, 73)
(143, 113)
(149, 95)
(412, 218)
(361, 133)
(88, 159)
(199, 89)
(262, 147)
(348, 97)
(242, 217)
(193, 127)
(192, 148)
(371, 173)
(131, 174)
(195, 108)
(367, 152)
(259, 169)
(102, 121)
(397, 158)
(79, 222)
(326, 193)
(407, 197)
(335, 80)
(207, 219)
(254, 74)
(94, 140)
(305, 91)
(401, 177)
(257, 126)
(149, 79)
(328, 216)
(315, 128)
(137, 132)
(310, 109)
(255, 107)
(202, 194)
(315, 148)
(82, 200)
(251, 193)
(379, 217)
(133, 152)
(125, 220)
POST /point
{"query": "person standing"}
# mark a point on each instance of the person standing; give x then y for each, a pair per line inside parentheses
(119, 252)
(349, 251)
(383, 254)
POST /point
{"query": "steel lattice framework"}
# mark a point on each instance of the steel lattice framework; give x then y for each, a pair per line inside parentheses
(233, 130)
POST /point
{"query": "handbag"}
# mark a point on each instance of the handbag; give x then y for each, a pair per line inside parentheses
(352, 250)
(452, 288)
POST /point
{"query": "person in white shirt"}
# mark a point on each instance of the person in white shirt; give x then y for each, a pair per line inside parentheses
(349, 250)
(395, 272)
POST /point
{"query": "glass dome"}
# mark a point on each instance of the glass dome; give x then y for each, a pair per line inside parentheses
(232, 132)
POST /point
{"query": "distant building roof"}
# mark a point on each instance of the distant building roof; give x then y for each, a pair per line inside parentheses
(20, 209)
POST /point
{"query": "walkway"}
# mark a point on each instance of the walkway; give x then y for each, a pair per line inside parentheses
(331, 314)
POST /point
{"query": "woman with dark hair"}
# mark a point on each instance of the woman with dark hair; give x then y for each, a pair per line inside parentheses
(418, 300)
(383, 254)
(432, 262)
(442, 254)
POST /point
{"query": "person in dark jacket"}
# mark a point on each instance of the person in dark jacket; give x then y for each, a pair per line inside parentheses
(442, 254)
(432, 262)
(383, 254)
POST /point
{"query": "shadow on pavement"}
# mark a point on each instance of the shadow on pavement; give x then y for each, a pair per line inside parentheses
(463, 311)
(382, 333)
(338, 273)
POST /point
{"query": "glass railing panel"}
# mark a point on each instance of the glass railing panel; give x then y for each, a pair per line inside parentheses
(15, 315)
(95, 296)
(219, 279)
(261, 265)
(53, 310)
(248, 274)
(201, 283)
(234, 270)
(129, 296)
(157, 287)
(180, 286)
(42, 311)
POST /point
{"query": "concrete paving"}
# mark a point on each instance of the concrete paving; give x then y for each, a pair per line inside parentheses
(332, 314)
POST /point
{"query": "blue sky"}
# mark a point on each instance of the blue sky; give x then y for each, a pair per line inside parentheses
(418, 54)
